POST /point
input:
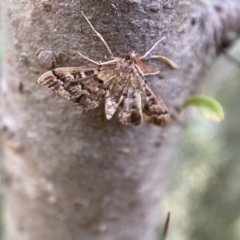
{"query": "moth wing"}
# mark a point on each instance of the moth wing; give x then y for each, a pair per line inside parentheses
(114, 95)
(131, 106)
(154, 110)
(83, 85)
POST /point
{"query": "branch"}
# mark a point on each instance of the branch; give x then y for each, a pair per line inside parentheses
(76, 175)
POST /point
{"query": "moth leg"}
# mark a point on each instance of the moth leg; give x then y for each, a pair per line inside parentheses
(151, 49)
(166, 60)
(152, 73)
(89, 59)
(99, 35)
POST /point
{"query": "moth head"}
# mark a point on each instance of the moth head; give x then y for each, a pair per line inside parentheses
(130, 56)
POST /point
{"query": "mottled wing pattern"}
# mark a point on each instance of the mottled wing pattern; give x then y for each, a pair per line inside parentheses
(131, 106)
(123, 86)
(115, 94)
(154, 110)
(137, 92)
(83, 85)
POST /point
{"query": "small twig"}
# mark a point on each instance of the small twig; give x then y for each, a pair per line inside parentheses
(165, 229)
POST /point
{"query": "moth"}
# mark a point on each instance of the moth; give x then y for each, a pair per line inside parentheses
(121, 82)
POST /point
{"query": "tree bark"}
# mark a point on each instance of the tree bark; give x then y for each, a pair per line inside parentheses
(71, 174)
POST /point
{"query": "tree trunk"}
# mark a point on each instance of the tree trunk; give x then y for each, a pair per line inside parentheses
(71, 174)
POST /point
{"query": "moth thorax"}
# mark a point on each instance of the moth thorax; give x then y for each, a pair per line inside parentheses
(130, 56)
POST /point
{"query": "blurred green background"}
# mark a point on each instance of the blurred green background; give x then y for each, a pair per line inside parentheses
(203, 193)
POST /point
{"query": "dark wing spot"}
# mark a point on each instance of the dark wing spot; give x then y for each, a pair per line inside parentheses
(89, 73)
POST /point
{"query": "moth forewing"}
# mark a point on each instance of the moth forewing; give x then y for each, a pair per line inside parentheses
(154, 110)
(131, 110)
(113, 97)
(79, 84)
(49, 80)
(156, 119)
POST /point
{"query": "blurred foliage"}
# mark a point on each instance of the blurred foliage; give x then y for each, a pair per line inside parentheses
(207, 106)
(204, 190)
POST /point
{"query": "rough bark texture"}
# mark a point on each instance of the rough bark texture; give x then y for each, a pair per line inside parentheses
(74, 175)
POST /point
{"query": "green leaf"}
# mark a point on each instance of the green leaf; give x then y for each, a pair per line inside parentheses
(208, 107)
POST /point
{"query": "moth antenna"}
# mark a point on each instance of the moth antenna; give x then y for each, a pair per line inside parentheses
(151, 49)
(99, 35)
(89, 59)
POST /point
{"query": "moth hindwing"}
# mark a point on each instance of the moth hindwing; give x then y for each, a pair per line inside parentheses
(121, 82)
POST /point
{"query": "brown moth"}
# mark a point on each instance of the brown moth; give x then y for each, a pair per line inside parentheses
(120, 81)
